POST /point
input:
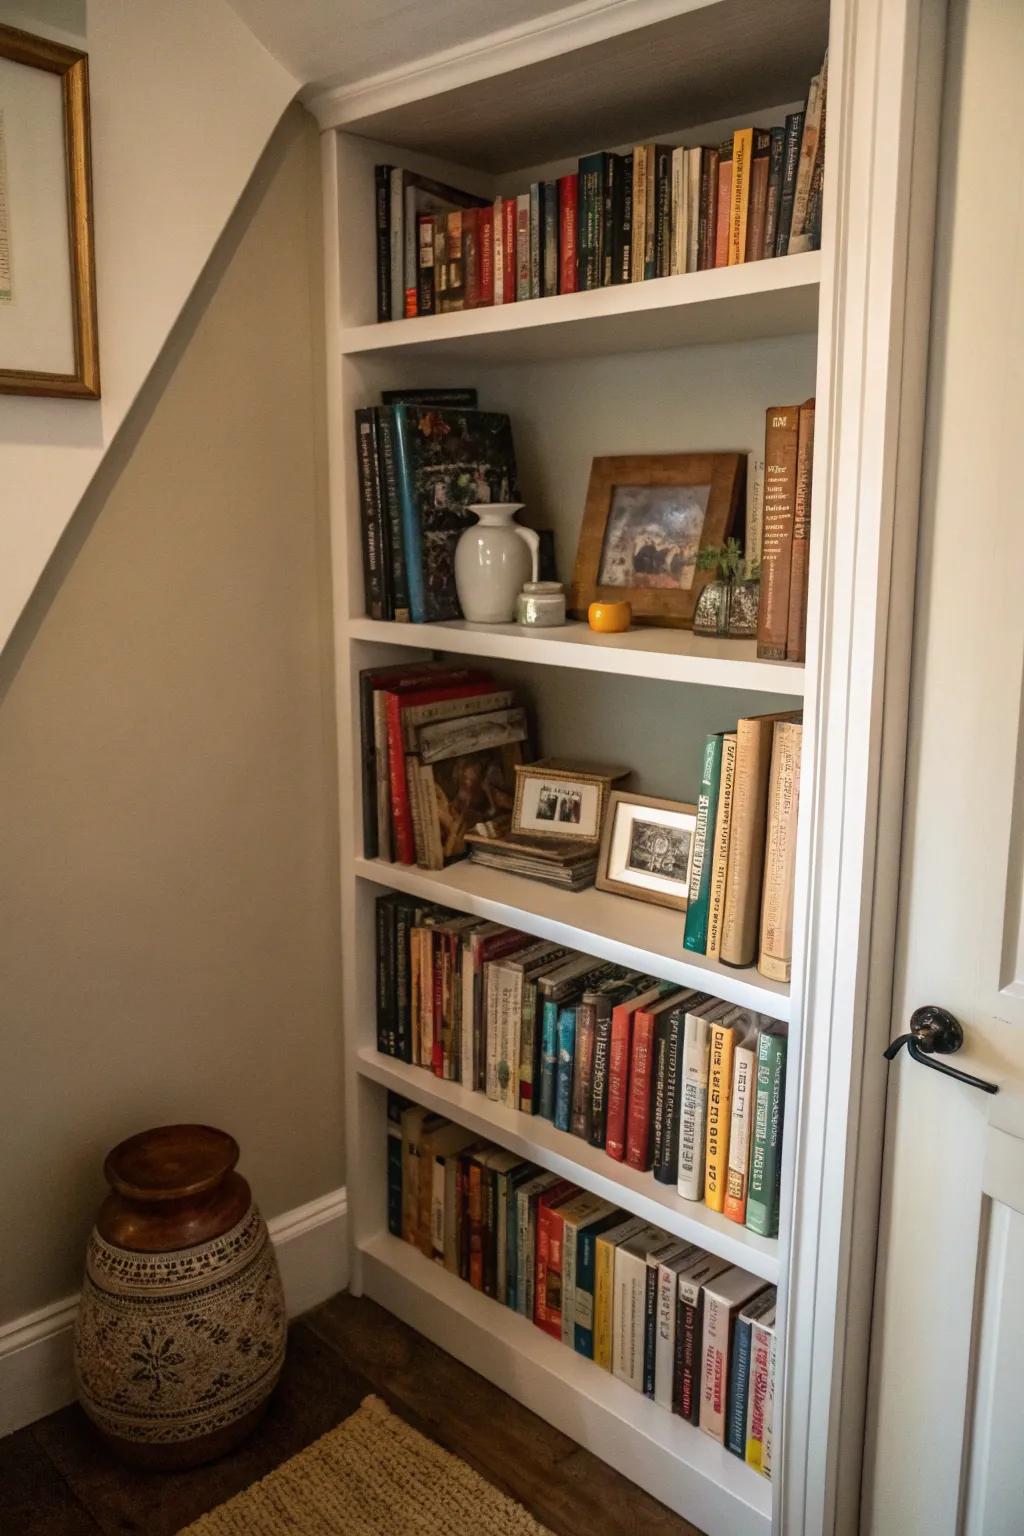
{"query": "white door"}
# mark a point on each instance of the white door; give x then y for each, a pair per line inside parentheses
(945, 1449)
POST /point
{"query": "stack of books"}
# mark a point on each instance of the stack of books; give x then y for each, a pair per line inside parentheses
(568, 865)
(440, 748)
(668, 1080)
(688, 1330)
(740, 905)
(654, 211)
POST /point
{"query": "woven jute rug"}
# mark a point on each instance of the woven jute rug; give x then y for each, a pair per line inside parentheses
(371, 1476)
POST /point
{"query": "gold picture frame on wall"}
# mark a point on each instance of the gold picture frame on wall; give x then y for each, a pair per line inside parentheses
(48, 333)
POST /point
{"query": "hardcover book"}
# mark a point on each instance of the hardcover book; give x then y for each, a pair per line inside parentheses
(686, 1376)
(723, 1298)
(762, 1306)
(776, 954)
(747, 838)
(739, 194)
(796, 630)
(604, 1286)
(763, 1191)
(695, 928)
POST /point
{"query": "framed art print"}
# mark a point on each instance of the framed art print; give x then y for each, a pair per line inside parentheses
(48, 338)
(562, 800)
(647, 848)
(646, 519)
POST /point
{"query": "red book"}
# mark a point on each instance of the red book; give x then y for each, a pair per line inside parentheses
(401, 811)
(471, 257)
(641, 1083)
(485, 242)
(619, 1051)
(547, 1291)
(568, 204)
(508, 250)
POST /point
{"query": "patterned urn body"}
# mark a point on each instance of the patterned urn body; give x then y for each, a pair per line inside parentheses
(181, 1330)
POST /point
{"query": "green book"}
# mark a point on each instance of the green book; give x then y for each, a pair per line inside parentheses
(765, 1152)
(695, 933)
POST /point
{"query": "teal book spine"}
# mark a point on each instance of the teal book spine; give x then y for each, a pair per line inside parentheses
(766, 1148)
(695, 932)
(412, 533)
(548, 1059)
(563, 1077)
(586, 1261)
(739, 1381)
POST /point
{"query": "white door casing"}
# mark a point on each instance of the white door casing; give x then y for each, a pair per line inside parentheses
(948, 1336)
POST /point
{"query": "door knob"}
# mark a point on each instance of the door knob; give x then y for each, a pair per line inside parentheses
(935, 1031)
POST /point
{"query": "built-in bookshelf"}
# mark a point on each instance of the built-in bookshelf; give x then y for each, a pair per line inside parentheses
(670, 364)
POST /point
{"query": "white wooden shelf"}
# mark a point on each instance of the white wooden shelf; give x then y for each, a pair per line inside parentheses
(667, 655)
(672, 1460)
(742, 303)
(535, 1138)
(631, 933)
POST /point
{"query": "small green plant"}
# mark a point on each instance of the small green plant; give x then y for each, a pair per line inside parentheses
(725, 559)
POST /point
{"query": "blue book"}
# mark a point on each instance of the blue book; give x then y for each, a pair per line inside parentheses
(516, 1179)
(548, 1058)
(563, 1078)
(739, 1372)
(586, 1271)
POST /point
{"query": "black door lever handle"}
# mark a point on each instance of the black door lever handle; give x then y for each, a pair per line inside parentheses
(934, 1030)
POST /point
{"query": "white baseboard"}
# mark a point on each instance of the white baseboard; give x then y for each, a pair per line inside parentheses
(36, 1375)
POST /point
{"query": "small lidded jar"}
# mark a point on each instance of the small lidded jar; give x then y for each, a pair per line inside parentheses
(541, 604)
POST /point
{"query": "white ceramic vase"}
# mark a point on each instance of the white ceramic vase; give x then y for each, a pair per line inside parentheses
(493, 559)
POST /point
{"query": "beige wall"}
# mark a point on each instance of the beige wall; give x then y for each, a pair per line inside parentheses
(168, 934)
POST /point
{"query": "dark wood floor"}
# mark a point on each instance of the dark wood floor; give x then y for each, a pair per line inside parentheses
(57, 1479)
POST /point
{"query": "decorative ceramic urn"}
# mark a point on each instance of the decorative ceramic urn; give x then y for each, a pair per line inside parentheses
(180, 1335)
(493, 559)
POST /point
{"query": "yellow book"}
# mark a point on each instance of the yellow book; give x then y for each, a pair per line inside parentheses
(739, 197)
(716, 1162)
(604, 1286)
(720, 847)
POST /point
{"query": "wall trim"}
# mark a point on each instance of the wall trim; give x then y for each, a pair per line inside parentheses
(36, 1375)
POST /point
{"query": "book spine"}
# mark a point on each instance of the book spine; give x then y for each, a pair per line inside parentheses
(650, 211)
(755, 513)
(583, 1071)
(659, 1071)
(485, 243)
(760, 1350)
(546, 1314)
(462, 1206)
(374, 589)
(455, 263)
(445, 1034)
(790, 164)
(677, 262)
(509, 238)
(549, 1059)
(385, 923)
(805, 168)
(403, 998)
(566, 1053)
(437, 1210)
(436, 1056)
(624, 240)
(604, 1296)
(628, 1318)
(665, 1342)
(618, 1083)
(396, 225)
(425, 297)
(611, 220)
(739, 195)
(740, 1121)
(693, 1108)
(401, 811)
(471, 257)
(599, 1075)
(451, 1214)
(528, 1055)
(716, 1155)
(476, 1226)
(650, 1327)
(549, 212)
(394, 1161)
(715, 1374)
(776, 949)
(763, 1190)
(498, 251)
(708, 207)
(638, 1119)
(771, 213)
(668, 1099)
(782, 425)
(638, 237)
(662, 211)
(568, 213)
(724, 204)
(590, 218)
(385, 846)
(720, 849)
(695, 930)
(382, 206)
(523, 246)
(488, 1192)
(583, 1303)
(570, 1245)
(758, 198)
(690, 1321)
(739, 1383)
(799, 570)
(410, 237)
(536, 242)
(768, 1443)
(393, 507)
(412, 538)
(693, 165)
(747, 837)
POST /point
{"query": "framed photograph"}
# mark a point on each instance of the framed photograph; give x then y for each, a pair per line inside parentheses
(559, 800)
(645, 520)
(647, 848)
(48, 340)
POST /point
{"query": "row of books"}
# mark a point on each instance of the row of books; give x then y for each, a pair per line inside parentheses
(782, 513)
(667, 1080)
(440, 745)
(690, 1331)
(655, 211)
(740, 903)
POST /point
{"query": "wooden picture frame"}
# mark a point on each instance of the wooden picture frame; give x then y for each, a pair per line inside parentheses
(17, 234)
(618, 514)
(628, 842)
(557, 800)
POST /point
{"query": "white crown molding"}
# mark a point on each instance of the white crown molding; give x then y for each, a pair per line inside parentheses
(36, 1372)
(575, 26)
